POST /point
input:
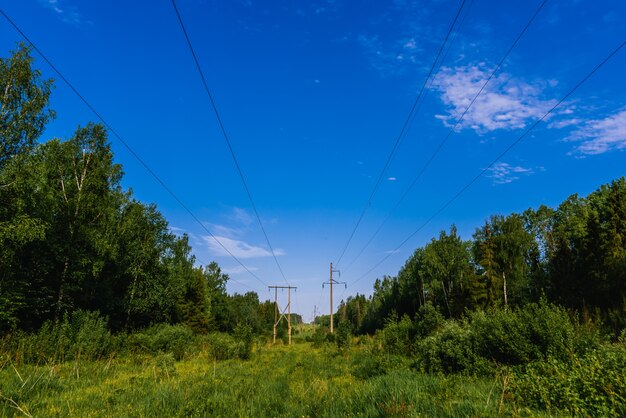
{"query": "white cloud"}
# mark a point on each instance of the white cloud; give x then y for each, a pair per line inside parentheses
(241, 215)
(67, 14)
(223, 230)
(505, 103)
(238, 270)
(503, 173)
(392, 178)
(560, 124)
(239, 249)
(601, 135)
(391, 58)
(176, 230)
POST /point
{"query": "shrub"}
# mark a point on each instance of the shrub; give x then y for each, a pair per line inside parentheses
(397, 336)
(450, 350)
(81, 335)
(244, 338)
(523, 335)
(344, 335)
(590, 385)
(222, 346)
(428, 320)
(163, 338)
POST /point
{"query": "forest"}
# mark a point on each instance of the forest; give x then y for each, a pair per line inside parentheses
(98, 294)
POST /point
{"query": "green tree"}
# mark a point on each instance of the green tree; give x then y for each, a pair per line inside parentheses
(24, 108)
(447, 272)
(24, 113)
(508, 256)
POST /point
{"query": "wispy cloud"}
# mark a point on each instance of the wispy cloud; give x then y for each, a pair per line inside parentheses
(238, 248)
(601, 135)
(504, 173)
(392, 178)
(67, 14)
(238, 269)
(241, 216)
(223, 230)
(505, 103)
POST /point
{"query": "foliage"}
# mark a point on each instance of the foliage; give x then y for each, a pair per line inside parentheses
(574, 256)
(522, 335)
(24, 107)
(245, 339)
(344, 335)
(590, 385)
(397, 337)
(450, 350)
(176, 340)
(486, 339)
(82, 336)
(428, 320)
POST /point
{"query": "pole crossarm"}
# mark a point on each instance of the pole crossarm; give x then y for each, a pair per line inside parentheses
(277, 309)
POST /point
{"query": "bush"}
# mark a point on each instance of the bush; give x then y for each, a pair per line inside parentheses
(318, 337)
(519, 336)
(589, 385)
(344, 335)
(81, 335)
(244, 338)
(397, 337)
(450, 350)
(162, 339)
(428, 320)
(222, 346)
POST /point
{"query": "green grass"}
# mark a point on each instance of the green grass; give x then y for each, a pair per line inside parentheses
(278, 381)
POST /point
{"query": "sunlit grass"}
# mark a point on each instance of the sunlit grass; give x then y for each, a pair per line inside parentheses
(296, 380)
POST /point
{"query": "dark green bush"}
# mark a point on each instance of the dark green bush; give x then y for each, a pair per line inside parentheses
(519, 336)
(590, 385)
(222, 346)
(428, 320)
(243, 335)
(397, 337)
(318, 337)
(344, 335)
(81, 335)
(163, 338)
(450, 350)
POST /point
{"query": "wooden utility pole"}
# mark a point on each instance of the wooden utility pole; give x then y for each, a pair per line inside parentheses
(287, 308)
(331, 282)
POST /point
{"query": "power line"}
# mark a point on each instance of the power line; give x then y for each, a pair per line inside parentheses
(441, 61)
(230, 278)
(450, 132)
(223, 130)
(495, 160)
(128, 147)
(399, 138)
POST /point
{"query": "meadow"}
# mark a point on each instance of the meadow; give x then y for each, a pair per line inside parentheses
(281, 380)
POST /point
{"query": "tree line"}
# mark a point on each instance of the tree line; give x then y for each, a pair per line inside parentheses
(573, 256)
(72, 238)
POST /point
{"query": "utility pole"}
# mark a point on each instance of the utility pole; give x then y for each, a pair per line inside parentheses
(331, 282)
(287, 308)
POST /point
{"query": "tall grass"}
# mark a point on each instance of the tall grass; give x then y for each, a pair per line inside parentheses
(295, 380)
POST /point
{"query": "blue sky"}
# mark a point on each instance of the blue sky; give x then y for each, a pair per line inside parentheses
(313, 96)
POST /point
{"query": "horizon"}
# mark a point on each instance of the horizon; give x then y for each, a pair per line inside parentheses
(313, 99)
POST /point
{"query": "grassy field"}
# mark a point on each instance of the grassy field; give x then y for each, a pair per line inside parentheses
(297, 380)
